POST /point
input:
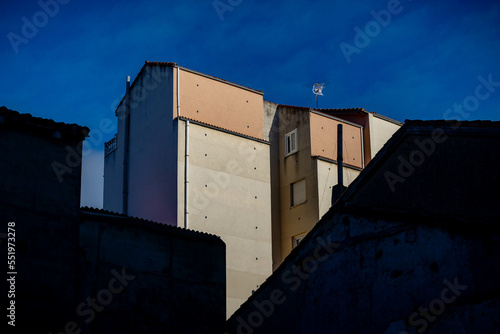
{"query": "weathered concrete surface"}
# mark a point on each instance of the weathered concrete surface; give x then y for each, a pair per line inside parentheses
(45, 212)
(272, 133)
(229, 188)
(176, 278)
(417, 259)
(95, 272)
(378, 276)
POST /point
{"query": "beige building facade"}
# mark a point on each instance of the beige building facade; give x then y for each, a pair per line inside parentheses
(224, 188)
(306, 166)
(202, 153)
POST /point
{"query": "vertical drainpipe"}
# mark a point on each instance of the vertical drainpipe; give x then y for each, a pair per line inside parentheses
(126, 148)
(362, 149)
(186, 184)
(186, 156)
(178, 95)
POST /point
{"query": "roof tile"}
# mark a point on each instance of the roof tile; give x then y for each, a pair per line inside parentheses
(451, 122)
(44, 124)
(139, 222)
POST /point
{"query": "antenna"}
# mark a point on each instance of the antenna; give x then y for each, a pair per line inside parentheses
(318, 90)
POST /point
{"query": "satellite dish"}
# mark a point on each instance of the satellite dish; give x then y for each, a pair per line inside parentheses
(318, 88)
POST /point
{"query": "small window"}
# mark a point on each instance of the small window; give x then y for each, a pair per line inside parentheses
(298, 193)
(291, 142)
(297, 239)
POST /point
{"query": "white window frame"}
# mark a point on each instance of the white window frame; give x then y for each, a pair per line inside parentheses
(293, 201)
(291, 142)
(297, 239)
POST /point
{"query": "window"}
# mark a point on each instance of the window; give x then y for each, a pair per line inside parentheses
(298, 193)
(297, 239)
(291, 142)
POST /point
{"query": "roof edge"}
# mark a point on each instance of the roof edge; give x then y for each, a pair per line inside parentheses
(218, 128)
(325, 159)
(385, 118)
(222, 80)
(44, 124)
(175, 65)
(319, 113)
(144, 223)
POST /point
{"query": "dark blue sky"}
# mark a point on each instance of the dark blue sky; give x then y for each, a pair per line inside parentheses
(417, 64)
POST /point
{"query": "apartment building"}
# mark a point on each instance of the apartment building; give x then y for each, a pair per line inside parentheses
(199, 152)
(306, 166)
(190, 152)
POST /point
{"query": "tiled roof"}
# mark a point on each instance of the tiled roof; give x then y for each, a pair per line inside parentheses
(222, 129)
(160, 63)
(423, 126)
(444, 123)
(327, 110)
(357, 111)
(43, 125)
(293, 107)
(322, 112)
(343, 110)
(142, 223)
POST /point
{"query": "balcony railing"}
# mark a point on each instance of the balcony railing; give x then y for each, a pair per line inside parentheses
(110, 146)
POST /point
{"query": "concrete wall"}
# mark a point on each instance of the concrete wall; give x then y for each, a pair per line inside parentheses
(380, 132)
(317, 136)
(420, 257)
(219, 103)
(376, 130)
(360, 118)
(324, 140)
(327, 178)
(153, 137)
(157, 166)
(113, 168)
(271, 133)
(153, 147)
(295, 167)
(45, 212)
(357, 275)
(173, 280)
(230, 195)
(95, 272)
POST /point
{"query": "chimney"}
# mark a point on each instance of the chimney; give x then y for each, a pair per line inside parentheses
(339, 189)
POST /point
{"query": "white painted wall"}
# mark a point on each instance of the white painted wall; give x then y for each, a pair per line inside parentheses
(380, 132)
(152, 192)
(327, 178)
(230, 196)
(153, 147)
